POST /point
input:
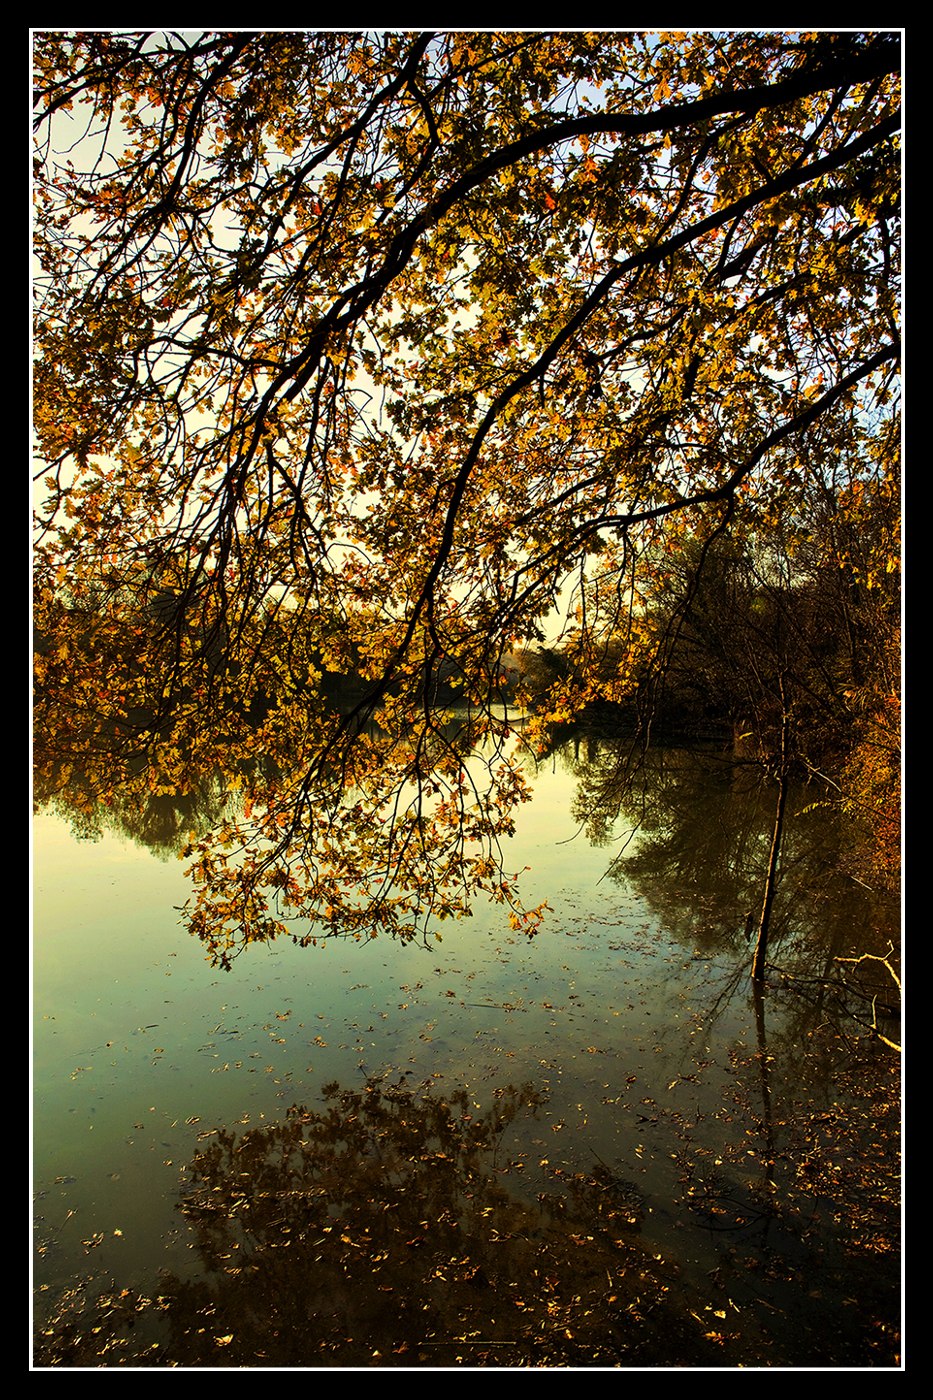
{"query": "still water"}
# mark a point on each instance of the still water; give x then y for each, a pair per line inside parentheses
(747, 1146)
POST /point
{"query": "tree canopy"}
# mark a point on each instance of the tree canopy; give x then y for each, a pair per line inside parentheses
(390, 353)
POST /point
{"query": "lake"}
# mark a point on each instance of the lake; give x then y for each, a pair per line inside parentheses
(598, 1147)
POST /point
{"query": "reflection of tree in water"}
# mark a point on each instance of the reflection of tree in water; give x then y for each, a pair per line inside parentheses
(704, 821)
(381, 1232)
(704, 818)
(704, 828)
(161, 820)
(158, 821)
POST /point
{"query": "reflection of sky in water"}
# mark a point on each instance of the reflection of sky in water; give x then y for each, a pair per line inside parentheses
(140, 1045)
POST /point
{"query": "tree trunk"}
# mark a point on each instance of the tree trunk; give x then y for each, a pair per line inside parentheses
(761, 946)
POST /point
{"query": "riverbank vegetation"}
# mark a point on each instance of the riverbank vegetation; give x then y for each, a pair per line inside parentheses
(787, 648)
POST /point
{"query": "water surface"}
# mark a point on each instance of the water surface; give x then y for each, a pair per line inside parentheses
(743, 1147)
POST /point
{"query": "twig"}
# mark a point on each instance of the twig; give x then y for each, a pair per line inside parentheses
(467, 1342)
(873, 957)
